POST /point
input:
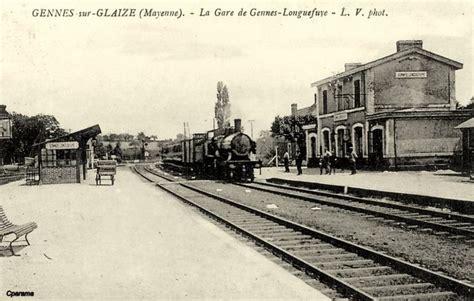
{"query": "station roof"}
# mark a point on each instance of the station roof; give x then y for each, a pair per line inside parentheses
(469, 124)
(420, 113)
(396, 55)
(81, 135)
(306, 111)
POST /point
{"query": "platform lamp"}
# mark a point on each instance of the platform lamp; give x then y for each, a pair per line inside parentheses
(5, 129)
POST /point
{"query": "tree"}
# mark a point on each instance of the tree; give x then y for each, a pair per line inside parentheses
(27, 131)
(291, 127)
(117, 150)
(99, 148)
(142, 137)
(179, 136)
(469, 106)
(265, 147)
(222, 106)
(113, 137)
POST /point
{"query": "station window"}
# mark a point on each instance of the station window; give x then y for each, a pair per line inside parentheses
(58, 158)
(340, 99)
(357, 93)
(325, 102)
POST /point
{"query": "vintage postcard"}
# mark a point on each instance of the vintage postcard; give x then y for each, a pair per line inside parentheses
(291, 150)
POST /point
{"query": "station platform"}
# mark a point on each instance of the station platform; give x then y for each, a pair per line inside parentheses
(441, 184)
(131, 241)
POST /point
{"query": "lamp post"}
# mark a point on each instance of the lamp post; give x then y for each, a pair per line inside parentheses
(5, 129)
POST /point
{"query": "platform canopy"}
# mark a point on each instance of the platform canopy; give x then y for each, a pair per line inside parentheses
(81, 136)
(469, 124)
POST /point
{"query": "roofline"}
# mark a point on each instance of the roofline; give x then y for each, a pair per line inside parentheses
(468, 124)
(393, 56)
(95, 128)
(418, 114)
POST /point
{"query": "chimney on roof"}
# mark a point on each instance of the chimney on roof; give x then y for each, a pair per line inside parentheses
(294, 108)
(405, 44)
(350, 66)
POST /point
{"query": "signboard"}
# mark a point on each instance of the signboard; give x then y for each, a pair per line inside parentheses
(5, 129)
(62, 145)
(411, 74)
(340, 116)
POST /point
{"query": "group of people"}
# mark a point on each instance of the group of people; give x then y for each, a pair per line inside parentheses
(327, 162)
(298, 161)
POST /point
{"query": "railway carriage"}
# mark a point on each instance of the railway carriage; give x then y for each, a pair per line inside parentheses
(223, 153)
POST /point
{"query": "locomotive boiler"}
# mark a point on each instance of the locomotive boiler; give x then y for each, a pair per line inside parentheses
(223, 153)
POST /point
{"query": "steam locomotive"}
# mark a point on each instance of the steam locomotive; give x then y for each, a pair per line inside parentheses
(222, 153)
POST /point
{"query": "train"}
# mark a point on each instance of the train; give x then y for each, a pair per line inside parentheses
(226, 154)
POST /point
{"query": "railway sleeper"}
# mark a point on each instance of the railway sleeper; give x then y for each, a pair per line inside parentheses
(457, 225)
(362, 263)
(329, 250)
(272, 231)
(265, 227)
(436, 296)
(381, 280)
(255, 223)
(302, 242)
(300, 247)
(284, 237)
(448, 222)
(360, 272)
(315, 259)
(402, 289)
(432, 219)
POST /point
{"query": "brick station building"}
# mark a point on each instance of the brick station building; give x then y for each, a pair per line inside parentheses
(398, 111)
(66, 159)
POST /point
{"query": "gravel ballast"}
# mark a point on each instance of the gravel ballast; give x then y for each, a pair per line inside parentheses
(433, 252)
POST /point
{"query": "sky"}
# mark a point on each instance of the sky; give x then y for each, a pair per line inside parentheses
(152, 74)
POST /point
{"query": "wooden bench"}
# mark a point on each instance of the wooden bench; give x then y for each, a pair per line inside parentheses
(105, 168)
(7, 228)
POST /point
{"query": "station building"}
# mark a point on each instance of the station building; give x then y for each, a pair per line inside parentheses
(467, 129)
(398, 111)
(67, 158)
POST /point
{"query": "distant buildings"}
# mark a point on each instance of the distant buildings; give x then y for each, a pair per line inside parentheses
(398, 111)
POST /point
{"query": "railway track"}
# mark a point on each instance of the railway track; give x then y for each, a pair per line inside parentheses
(456, 226)
(358, 272)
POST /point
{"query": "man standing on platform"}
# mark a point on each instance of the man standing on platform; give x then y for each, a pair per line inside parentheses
(353, 160)
(286, 161)
(299, 161)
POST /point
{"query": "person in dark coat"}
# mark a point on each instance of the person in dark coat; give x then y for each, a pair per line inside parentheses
(299, 162)
(326, 164)
(286, 161)
(332, 163)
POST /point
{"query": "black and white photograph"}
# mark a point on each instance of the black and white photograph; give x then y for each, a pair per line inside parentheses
(236, 150)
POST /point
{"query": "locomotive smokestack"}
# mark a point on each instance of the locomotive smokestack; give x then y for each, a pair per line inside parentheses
(237, 125)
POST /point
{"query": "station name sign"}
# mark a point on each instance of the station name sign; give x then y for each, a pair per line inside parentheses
(62, 145)
(340, 117)
(411, 74)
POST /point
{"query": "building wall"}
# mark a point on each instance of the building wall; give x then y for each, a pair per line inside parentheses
(347, 85)
(58, 175)
(436, 90)
(431, 137)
